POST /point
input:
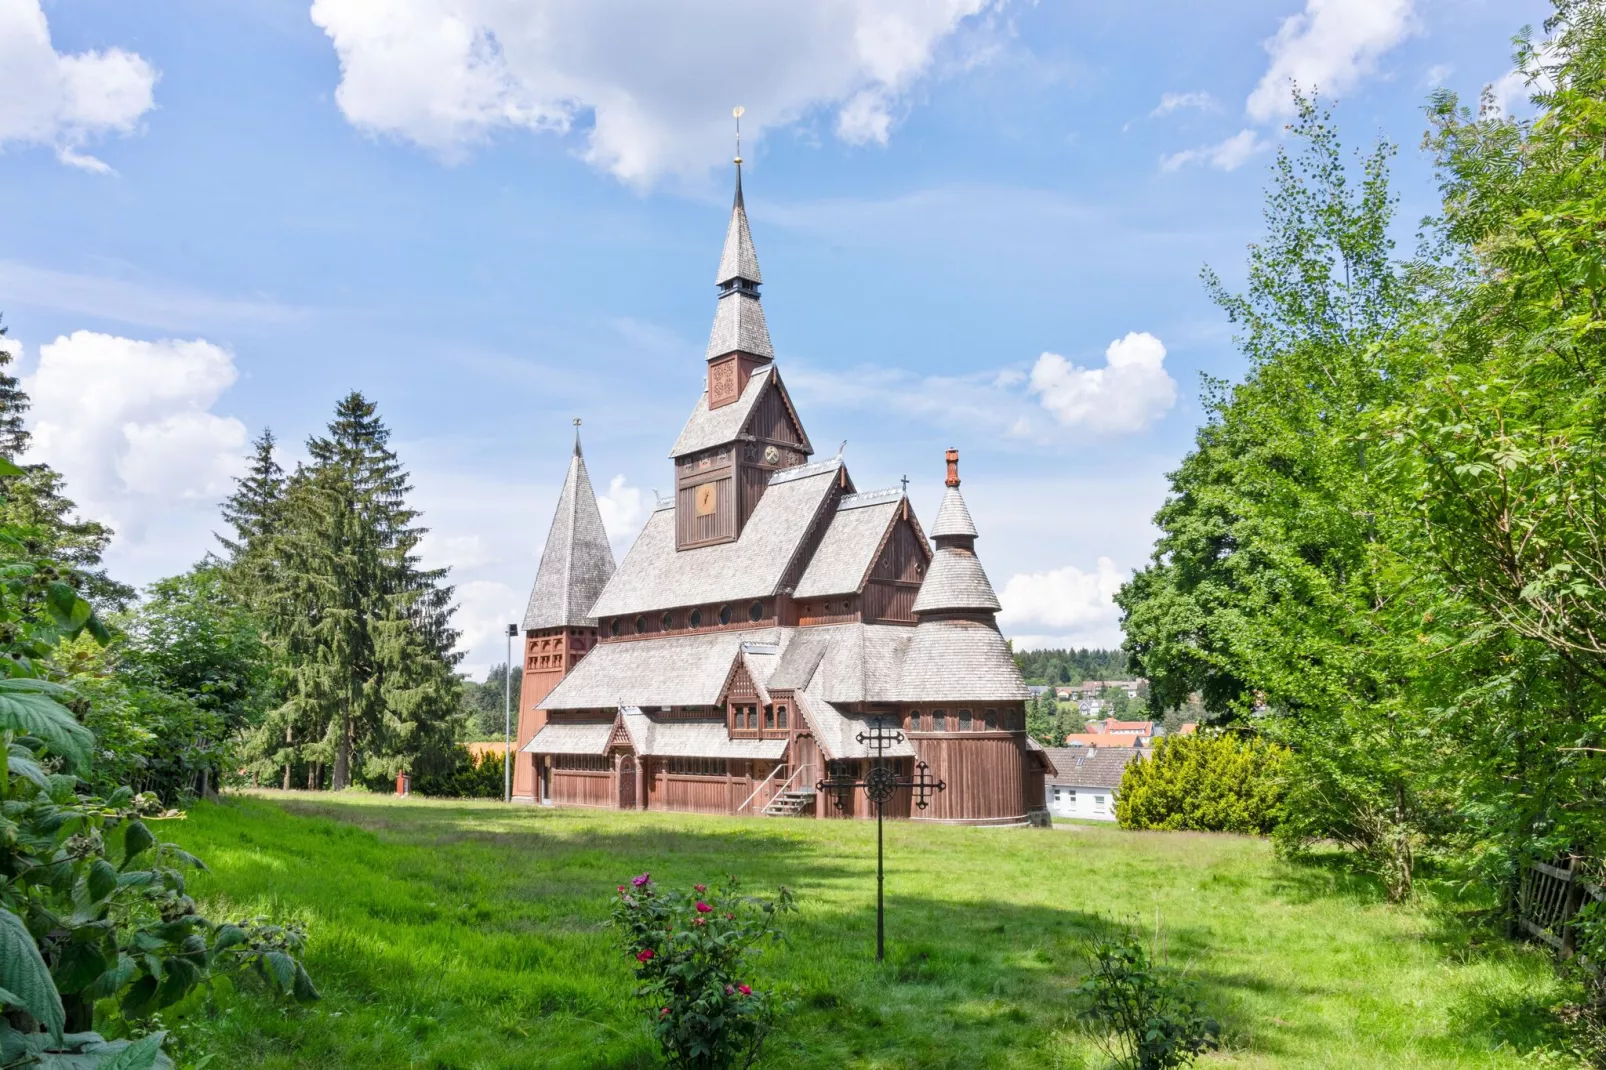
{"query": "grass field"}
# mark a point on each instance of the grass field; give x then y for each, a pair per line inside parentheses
(467, 935)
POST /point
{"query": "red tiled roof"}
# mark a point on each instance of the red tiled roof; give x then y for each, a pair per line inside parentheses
(1101, 739)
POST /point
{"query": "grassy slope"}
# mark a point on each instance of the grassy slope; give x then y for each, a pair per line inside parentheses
(471, 935)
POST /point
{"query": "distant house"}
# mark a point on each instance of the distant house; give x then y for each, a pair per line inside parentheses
(1036, 690)
(1187, 728)
(1092, 688)
(1111, 726)
(1103, 739)
(1087, 780)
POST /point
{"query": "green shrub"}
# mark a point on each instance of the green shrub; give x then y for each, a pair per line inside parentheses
(464, 778)
(1148, 1014)
(1210, 783)
(691, 953)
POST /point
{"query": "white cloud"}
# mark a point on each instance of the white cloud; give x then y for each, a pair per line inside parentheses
(128, 423)
(624, 509)
(1437, 74)
(1063, 607)
(455, 551)
(1131, 391)
(47, 98)
(1330, 46)
(1510, 93)
(1170, 102)
(657, 81)
(484, 610)
(1228, 155)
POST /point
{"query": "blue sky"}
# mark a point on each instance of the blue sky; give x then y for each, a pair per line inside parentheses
(981, 225)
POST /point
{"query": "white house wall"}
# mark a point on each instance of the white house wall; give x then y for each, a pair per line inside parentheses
(1096, 804)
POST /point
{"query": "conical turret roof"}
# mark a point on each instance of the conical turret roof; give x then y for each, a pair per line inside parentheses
(738, 260)
(577, 560)
(953, 517)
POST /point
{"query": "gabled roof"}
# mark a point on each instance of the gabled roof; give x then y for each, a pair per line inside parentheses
(577, 561)
(706, 428)
(848, 548)
(692, 739)
(1101, 740)
(836, 731)
(655, 576)
(676, 670)
(953, 517)
(1077, 768)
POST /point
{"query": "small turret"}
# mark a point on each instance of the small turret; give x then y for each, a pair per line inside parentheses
(956, 583)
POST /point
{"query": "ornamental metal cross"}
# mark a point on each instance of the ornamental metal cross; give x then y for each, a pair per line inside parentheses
(879, 782)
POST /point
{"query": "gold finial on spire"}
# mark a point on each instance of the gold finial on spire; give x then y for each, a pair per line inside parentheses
(737, 112)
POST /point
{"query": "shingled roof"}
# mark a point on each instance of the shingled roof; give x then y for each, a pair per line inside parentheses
(959, 661)
(956, 581)
(655, 576)
(693, 739)
(1079, 768)
(953, 517)
(738, 259)
(577, 561)
(675, 670)
(848, 548)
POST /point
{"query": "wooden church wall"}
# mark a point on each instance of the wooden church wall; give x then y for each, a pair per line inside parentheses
(771, 422)
(718, 523)
(985, 777)
(573, 787)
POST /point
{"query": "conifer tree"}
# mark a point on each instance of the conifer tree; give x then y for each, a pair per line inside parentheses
(364, 633)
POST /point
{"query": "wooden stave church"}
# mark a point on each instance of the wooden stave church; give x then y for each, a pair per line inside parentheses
(765, 617)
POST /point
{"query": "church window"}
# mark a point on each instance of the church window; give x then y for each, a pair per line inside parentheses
(641, 625)
(613, 628)
(668, 620)
(992, 720)
(755, 612)
(964, 720)
(581, 763)
(695, 766)
(696, 618)
(724, 614)
(780, 717)
(914, 720)
(769, 716)
(939, 720)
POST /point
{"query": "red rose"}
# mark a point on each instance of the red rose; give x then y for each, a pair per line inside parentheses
(744, 990)
(699, 888)
(644, 955)
(702, 907)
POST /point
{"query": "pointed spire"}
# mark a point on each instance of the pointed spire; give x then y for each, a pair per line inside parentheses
(577, 561)
(955, 582)
(739, 325)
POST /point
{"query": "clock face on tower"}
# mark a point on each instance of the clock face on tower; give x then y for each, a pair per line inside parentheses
(705, 499)
(772, 455)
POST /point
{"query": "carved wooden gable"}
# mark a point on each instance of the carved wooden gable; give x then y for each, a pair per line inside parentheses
(774, 423)
(620, 736)
(739, 686)
(900, 567)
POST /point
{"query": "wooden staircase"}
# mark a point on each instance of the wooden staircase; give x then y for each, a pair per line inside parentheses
(789, 803)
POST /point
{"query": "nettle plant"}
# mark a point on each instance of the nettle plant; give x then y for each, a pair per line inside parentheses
(1146, 1015)
(93, 907)
(693, 955)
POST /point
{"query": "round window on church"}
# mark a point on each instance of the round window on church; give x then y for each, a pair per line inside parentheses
(641, 625)
(696, 620)
(755, 612)
(613, 628)
(668, 621)
(724, 614)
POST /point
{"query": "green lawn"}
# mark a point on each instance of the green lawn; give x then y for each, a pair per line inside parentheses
(449, 935)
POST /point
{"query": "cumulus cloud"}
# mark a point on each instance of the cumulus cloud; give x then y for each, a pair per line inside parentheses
(624, 509)
(656, 81)
(48, 98)
(1063, 607)
(484, 610)
(1228, 155)
(1130, 392)
(128, 423)
(1331, 46)
(1170, 102)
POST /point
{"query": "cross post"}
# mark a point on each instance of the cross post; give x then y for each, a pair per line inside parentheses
(879, 782)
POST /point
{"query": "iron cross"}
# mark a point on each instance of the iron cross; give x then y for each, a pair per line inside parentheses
(879, 782)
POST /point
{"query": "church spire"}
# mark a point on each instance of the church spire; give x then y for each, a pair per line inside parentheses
(577, 560)
(739, 325)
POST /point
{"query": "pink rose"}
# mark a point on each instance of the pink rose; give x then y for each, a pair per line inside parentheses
(699, 888)
(664, 1013)
(702, 907)
(744, 990)
(729, 991)
(641, 880)
(644, 955)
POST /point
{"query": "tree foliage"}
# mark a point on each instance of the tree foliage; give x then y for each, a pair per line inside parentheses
(1215, 782)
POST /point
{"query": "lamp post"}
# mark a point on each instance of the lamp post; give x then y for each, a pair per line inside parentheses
(507, 717)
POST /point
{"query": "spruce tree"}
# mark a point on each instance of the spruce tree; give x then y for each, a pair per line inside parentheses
(363, 631)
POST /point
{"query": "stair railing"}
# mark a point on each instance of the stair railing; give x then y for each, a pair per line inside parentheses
(766, 780)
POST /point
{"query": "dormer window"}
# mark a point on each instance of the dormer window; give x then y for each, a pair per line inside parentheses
(696, 619)
(755, 612)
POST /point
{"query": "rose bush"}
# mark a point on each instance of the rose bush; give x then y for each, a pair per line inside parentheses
(693, 953)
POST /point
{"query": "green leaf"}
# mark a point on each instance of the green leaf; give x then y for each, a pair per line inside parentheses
(281, 969)
(303, 987)
(8, 468)
(102, 880)
(27, 709)
(142, 1054)
(69, 610)
(24, 974)
(228, 936)
(136, 840)
(23, 765)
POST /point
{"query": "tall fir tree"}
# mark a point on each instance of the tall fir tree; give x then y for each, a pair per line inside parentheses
(364, 632)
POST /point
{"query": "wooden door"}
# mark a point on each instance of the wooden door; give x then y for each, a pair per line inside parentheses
(627, 782)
